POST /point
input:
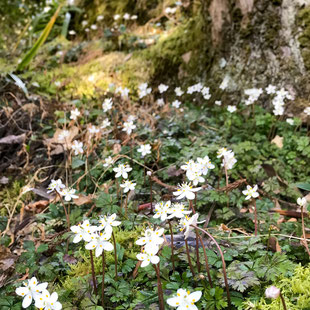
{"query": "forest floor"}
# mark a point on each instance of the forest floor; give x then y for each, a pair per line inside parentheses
(92, 111)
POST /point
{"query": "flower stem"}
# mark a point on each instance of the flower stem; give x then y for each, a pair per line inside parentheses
(303, 230)
(172, 246)
(115, 255)
(189, 259)
(93, 270)
(191, 206)
(223, 262)
(160, 289)
(66, 213)
(226, 177)
(255, 217)
(206, 258)
(283, 301)
(197, 251)
(151, 193)
(102, 287)
(126, 202)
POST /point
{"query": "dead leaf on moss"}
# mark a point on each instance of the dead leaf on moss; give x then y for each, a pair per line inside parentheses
(274, 244)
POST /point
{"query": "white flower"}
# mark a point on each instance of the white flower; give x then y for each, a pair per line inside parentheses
(30, 291)
(131, 118)
(128, 127)
(83, 231)
(270, 89)
(225, 82)
(126, 16)
(100, 17)
(151, 239)
(128, 186)
(178, 91)
(253, 94)
(186, 190)
(122, 170)
(69, 194)
(134, 17)
(177, 211)
(116, 17)
(231, 108)
(185, 300)
(186, 223)
(272, 292)
(144, 90)
(195, 88)
(229, 160)
(63, 135)
(221, 152)
(148, 257)
(107, 104)
(162, 88)
(105, 123)
(93, 27)
(45, 301)
(144, 149)
(290, 121)
(250, 192)
(72, 33)
(99, 243)
(108, 222)
(84, 23)
(55, 185)
(307, 111)
(206, 93)
(176, 104)
(160, 102)
(302, 202)
(93, 129)
(162, 210)
(195, 177)
(205, 164)
(77, 147)
(169, 10)
(74, 114)
(218, 102)
(108, 161)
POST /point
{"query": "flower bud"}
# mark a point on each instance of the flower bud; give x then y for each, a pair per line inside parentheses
(149, 173)
(272, 292)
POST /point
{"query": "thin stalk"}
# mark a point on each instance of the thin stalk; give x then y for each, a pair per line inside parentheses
(151, 193)
(115, 255)
(197, 251)
(172, 246)
(303, 230)
(93, 271)
(226, 177)
(117, 188)
(189, 259)
(126, 202)
(191, 206)
(206, 258)
(66, 213)
(102, 287)
(160, 289)
(283, 301)
(223, 263)
(255, 217)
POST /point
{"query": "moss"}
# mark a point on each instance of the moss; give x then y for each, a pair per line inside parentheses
(303, 21)
(296, 291)
(166, 54)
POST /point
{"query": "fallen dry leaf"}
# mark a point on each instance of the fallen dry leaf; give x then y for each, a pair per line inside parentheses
(82, 200)
(13, 139)
(278, 141)
(37, 206)
(273, 244)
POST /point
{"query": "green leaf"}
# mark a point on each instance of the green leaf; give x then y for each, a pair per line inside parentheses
(33, 51)
(42, 248)
(65, 25)
(76, 162)
(304, 186)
